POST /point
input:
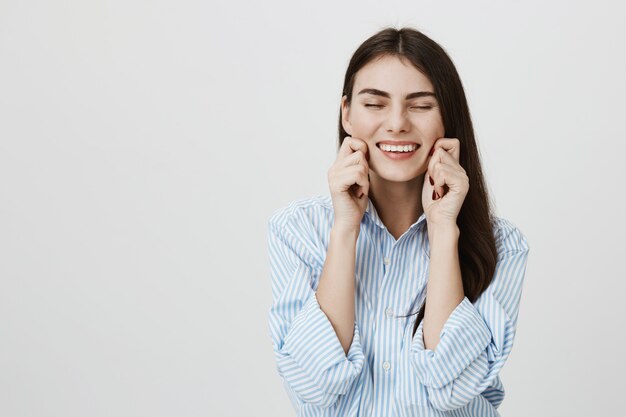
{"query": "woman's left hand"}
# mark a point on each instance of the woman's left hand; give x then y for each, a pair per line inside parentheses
(450, 182)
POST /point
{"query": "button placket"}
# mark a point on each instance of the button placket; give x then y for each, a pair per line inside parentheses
(386, 261)
(385, 312)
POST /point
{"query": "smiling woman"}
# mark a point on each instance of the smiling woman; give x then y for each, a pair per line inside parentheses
(398, 294)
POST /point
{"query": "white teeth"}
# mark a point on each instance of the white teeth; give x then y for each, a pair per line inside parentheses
(394, 148)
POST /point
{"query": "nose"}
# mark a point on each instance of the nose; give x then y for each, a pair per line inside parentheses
(397, 120)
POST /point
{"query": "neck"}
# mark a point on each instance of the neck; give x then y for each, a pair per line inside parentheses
(398, 204)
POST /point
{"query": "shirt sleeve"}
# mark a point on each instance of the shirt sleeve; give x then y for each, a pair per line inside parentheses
(310, 359)
(477, 338)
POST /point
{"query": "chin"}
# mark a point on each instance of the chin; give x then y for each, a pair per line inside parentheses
(400, 175)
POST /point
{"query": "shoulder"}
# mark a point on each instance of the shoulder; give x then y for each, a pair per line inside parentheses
(303, 226)
(308, 210)
(509, 237)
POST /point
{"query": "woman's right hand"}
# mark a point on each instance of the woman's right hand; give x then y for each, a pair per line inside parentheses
(348, 180)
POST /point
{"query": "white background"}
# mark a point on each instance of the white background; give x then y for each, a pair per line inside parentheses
(144, 145)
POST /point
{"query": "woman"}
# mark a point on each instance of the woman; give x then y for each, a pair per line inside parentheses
(398, 295)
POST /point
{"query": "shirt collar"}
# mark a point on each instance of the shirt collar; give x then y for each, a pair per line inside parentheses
(375, 218)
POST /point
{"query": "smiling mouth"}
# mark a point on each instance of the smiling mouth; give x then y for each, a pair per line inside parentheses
(415, 147)
(396, 142)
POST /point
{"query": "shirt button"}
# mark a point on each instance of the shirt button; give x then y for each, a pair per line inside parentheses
(386, 261)
(389, 312)
(386, 366)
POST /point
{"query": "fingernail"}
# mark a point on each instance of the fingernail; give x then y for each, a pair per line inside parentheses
(431, 180)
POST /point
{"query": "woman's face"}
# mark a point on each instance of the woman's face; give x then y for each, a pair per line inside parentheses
(380, 111)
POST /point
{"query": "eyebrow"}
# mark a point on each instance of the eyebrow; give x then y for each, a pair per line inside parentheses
(377, 92)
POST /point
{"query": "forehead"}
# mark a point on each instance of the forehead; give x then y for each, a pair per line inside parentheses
(389, 73)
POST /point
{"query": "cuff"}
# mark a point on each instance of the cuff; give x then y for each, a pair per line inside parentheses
(314, 345)
(463, 338)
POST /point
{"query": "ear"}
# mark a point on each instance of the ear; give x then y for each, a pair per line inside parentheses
(345, 115)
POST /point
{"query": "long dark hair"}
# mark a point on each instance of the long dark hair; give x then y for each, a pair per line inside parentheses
(477, 247)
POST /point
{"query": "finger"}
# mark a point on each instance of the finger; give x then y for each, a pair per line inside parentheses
(355, 175)
(355, 144)
(435, 180)
(429, 186)
(447, 177)
(451, 145)
(356, 158)
(440, 155)
(444, 178)
(433, 171)
(449, 160)
(351, 144)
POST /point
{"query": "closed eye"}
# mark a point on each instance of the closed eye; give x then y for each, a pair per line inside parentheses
(412, 107)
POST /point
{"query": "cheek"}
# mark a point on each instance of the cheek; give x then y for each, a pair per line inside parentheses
(362, 122)
(440, 128)
(435, 127)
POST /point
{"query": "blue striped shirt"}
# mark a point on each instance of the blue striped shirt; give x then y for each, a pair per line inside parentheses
(387, 372)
